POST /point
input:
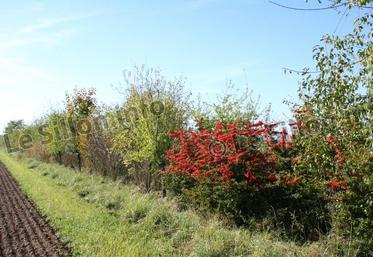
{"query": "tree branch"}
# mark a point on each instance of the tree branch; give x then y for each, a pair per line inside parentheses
(334, 6)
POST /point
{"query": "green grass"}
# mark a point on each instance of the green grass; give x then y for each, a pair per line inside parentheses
(100, 217)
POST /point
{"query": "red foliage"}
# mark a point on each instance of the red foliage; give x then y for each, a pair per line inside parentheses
(336, 184)
(273, 177)
(291, 181)
(296, 160)
(220, 152)
(339, 157)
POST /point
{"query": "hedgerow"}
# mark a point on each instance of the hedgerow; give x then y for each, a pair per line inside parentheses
(309, 178)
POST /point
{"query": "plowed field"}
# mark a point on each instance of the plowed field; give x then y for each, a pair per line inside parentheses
(23, 231)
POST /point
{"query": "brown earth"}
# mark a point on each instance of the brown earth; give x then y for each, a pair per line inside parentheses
(23, 231)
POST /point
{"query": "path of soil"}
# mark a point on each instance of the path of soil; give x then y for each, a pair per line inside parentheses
(23, 231)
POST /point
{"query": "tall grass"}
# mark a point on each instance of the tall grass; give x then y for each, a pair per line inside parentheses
(97, 216)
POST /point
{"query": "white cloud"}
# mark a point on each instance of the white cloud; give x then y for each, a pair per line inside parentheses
(44, 31)
(49, 38)
(24, 86)
(52, 22)
(15, 73)
(18, 82)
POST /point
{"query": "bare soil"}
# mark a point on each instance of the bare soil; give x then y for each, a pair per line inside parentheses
(23, 230)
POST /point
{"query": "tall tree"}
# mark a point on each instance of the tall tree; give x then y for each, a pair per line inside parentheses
(79, 107)
(336, 116)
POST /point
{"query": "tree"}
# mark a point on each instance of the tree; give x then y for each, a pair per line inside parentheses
(336, 118)
(79, 106)
(232, 105)
(57, 147)
(153, 107)
(12, 133)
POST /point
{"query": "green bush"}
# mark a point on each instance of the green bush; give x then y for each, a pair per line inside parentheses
(153, 107)
(297, 214)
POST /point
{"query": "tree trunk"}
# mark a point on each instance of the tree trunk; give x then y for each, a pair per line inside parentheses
(59, 156)
(79, 161)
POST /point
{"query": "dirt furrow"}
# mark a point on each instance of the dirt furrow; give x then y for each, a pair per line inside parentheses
(12, 224)
(38, 228)
(23, 231)
(35, 246)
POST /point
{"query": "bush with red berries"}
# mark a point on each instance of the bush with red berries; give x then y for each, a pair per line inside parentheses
(245, 171)
(243, 152)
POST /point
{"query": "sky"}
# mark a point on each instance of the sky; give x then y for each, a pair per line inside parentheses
(48, 48)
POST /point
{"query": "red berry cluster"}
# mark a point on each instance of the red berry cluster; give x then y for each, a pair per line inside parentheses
(240, 151)
(336, 184)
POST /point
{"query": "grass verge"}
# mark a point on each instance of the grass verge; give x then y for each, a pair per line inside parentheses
(100, 217)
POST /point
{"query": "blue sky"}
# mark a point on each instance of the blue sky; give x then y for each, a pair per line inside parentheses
(50, 47)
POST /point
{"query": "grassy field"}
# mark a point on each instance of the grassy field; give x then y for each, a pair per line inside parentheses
(100, 217)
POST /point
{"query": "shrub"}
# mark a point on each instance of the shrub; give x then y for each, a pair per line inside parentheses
(79, 107)
(241, 151)
(57, 146)
(153, 107)
(336, 138)
(248, 175)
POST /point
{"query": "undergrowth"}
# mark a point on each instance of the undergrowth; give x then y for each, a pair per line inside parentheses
(97, 216)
